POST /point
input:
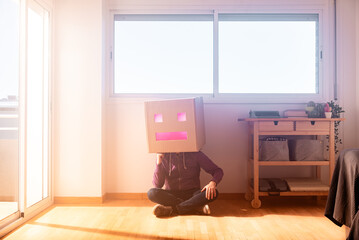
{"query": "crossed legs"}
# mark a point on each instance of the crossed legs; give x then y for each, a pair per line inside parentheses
(182, 202)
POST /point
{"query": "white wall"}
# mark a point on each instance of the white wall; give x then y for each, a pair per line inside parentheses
(130, 168)
(77, 97)
(105, 55)
(346, 71)
(127, 165)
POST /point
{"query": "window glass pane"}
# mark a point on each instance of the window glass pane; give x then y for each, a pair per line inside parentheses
(9, 115)
(268, 56)
(37, 105)
(9, 52)
(171, 54)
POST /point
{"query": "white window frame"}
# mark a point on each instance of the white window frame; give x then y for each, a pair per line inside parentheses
(325, 68)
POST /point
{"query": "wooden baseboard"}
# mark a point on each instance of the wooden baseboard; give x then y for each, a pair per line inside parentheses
(125, 196)
(7, 199)
(78, 200)
(230, 196)
(142, 196)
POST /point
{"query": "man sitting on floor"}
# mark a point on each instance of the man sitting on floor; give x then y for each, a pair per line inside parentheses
(180, 172)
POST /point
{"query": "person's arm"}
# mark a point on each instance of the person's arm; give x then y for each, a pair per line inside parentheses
(159, 174)
(211, 168)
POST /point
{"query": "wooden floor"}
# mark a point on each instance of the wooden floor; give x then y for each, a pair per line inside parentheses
(278, 218)
(8, 208)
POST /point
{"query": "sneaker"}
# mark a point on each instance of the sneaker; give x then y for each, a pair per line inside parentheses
(162, 211)
(204, 210)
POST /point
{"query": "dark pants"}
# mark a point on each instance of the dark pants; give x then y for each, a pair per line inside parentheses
(182, 202)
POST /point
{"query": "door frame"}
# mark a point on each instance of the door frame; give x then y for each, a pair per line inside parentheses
(25, 213)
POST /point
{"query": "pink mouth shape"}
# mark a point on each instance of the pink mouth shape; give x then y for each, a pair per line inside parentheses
(165, 136)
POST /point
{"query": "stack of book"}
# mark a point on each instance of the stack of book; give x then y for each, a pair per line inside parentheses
(295, 113)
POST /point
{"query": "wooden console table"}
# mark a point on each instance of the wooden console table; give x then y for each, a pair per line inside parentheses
(287, 126)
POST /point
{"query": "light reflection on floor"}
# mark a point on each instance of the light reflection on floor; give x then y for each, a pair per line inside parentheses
(7, 208)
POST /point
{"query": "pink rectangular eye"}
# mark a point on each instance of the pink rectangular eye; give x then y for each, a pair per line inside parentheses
(158, 117)
(181, 117)
(165, 136)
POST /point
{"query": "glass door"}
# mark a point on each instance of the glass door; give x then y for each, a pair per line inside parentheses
(37, 154)
(9, 114)
(24, 111)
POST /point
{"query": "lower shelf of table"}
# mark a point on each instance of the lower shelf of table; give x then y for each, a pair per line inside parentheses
(306, 191)
(291, 163)
(292, 193)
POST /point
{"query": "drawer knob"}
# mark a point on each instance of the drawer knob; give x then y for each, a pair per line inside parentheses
(275, 123)
(312, 123)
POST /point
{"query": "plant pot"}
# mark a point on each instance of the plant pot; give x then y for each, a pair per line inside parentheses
(328, 114)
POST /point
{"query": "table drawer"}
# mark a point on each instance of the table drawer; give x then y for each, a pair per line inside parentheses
(312, 126)
(276, 126)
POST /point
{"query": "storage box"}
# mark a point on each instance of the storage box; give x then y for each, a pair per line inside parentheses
(306, 150)
(274, 150)
(175, 125)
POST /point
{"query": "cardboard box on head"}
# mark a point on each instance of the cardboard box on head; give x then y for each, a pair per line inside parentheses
(175, 125)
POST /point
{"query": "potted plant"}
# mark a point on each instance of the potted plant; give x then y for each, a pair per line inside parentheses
(327, 111)
(336, 109)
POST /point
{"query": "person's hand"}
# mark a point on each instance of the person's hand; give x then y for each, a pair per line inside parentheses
(210, 189)
(159, 157)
